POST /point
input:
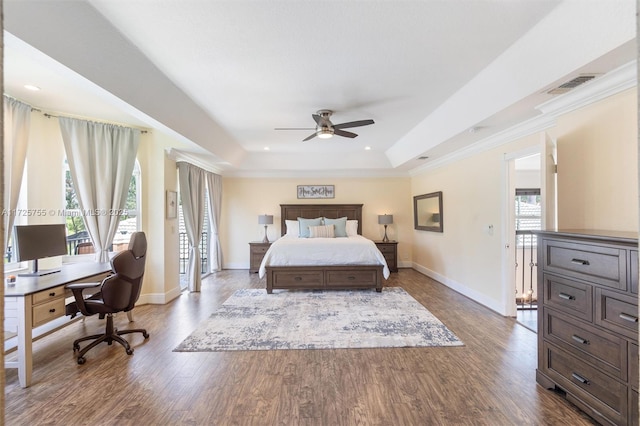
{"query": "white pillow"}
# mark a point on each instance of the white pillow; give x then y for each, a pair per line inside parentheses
(293, 228)
(322, 231)
(352, 228)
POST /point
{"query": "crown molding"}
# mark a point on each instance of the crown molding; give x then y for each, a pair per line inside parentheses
(614, 82)
(178, 155)
(519, 131)
(285, 174)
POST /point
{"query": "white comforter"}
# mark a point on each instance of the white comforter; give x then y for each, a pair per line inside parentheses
(293, 251)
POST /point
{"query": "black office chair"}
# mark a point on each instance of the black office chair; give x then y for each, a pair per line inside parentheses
(117, 293)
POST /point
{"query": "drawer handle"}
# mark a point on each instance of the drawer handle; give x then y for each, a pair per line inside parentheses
(298, 278)
(52, 294)
(580, 339)
(351, 278)
(566, 296)
(580, 378)
(580, 262)
(628, 317)
(52, 310)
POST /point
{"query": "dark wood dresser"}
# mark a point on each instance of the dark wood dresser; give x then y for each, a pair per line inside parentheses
(588, 321)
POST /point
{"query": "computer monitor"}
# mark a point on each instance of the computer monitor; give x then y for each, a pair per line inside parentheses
(33, 242)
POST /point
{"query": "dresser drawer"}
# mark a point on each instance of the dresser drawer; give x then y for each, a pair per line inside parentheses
(600, 264)
(346, 278)
(384, 249)
(617, 312)
(606, 351)
(586, 384)
(45, 312)
(569, 296)
(259, 250)
(50, 294)
(302, 279)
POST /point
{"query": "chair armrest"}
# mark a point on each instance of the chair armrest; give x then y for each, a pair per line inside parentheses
(82, 286)
(77, 289)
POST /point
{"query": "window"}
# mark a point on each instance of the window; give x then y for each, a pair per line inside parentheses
(77, 235)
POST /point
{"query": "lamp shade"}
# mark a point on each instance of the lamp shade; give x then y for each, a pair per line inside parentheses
(265, 219)
(385, 219)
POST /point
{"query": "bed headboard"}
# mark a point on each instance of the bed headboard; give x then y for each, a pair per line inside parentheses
(332, 211)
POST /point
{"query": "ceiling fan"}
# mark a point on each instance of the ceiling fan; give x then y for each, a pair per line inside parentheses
(325, 128)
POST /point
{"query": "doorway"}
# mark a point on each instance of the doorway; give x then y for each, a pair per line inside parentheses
(530, 204)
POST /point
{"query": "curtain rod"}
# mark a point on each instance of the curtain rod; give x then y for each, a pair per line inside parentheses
(46, 114)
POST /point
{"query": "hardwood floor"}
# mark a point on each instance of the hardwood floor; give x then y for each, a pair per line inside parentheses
(489, 381)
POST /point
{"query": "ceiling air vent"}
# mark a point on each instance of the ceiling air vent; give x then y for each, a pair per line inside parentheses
(572, 84)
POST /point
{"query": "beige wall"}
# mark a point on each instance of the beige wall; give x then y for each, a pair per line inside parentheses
(246, 198)
(158, 174)
(467, 256)
(44, 182)
(597, 188)
(597, 164)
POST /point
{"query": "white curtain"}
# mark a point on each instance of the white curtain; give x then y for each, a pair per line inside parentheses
(214, 188)
(192, 186)
(17, 121)
(101, 159)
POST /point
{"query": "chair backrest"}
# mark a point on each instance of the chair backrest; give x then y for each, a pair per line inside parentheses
(84, 248)
(121, 290)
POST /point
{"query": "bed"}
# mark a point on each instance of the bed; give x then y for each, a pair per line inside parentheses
(287, 265)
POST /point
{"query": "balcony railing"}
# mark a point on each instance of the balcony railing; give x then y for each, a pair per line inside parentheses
(184, 252)
(526, 271)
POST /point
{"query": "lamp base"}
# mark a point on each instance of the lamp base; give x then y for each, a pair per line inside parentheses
(265, 239)
(385, 239)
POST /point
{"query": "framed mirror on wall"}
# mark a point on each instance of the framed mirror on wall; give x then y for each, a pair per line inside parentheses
(427, 212)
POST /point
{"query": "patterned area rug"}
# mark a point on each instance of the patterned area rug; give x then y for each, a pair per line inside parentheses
(251, 319)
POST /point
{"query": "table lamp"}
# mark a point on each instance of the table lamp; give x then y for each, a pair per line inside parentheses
(265, 219)
(385, 219)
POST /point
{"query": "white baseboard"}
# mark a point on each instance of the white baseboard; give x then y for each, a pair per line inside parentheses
(494, 305)
(158, 298)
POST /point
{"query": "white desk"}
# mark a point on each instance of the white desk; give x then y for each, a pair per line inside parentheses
(35, 301)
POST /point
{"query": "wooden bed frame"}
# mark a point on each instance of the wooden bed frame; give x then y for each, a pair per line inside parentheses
(323, 276)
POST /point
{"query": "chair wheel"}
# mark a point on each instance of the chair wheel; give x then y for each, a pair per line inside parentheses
(129, 351)
(145, 335)
(81, 360)
(76, 347)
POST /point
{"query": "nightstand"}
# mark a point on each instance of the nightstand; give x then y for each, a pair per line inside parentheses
(257, 249)
(389, 250)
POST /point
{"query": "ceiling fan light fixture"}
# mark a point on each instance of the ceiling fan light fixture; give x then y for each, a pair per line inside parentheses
(325, 133)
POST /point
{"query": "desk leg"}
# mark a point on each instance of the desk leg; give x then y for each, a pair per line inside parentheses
(25, 342)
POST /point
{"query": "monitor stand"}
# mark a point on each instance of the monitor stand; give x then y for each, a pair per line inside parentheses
(37, 273)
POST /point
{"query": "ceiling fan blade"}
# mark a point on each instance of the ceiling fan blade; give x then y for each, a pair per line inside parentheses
(343, 133)
(317, 118)
(313, 135)
(353, 124)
